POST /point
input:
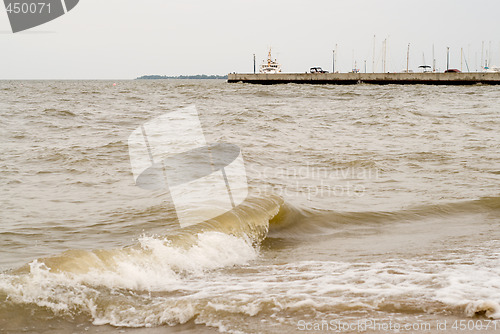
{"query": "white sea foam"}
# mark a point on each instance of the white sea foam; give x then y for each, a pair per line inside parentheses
(128, 283)
(162, 284)
(490, 308)
(158, 265)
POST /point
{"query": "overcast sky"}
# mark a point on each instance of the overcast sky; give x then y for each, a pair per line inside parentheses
(123, 39)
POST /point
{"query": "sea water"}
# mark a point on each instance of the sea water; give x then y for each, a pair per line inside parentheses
(374, 206)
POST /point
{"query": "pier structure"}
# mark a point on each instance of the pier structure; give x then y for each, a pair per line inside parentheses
(473, 78)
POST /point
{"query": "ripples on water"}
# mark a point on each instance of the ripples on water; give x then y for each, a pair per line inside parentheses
(368, 202)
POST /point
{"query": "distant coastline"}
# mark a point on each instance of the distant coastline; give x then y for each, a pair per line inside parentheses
(198, 76)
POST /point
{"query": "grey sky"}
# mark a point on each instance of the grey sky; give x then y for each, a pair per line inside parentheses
(122, 39)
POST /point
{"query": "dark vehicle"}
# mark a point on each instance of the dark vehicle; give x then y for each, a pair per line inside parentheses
(317, 70)
(452, 70)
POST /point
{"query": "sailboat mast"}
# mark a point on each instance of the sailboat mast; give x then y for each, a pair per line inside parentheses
(385, 64)
(482, 54)
(337, 55)
(467, 65)
(461, 59)
(408, 59)
(384, 55)
(373, 59)
(352, 60)
(447, 58)
(468, 56)
(433, 60)
(476, 61)
(383, 60)
(489, 58)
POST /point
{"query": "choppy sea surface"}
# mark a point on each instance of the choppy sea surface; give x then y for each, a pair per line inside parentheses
(371, 205)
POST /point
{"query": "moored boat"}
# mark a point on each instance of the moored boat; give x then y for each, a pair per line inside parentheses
(270, 65)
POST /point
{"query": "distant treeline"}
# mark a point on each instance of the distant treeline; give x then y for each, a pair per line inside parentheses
(198, 76)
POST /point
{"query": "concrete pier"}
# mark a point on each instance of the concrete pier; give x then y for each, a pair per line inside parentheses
(368, 78)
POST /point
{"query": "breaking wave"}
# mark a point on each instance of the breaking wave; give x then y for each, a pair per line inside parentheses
(177, 277)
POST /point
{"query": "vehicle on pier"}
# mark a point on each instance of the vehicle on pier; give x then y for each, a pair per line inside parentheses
(493, 69)
(317, 70)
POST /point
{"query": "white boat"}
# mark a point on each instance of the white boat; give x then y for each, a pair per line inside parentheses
(270, 66)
